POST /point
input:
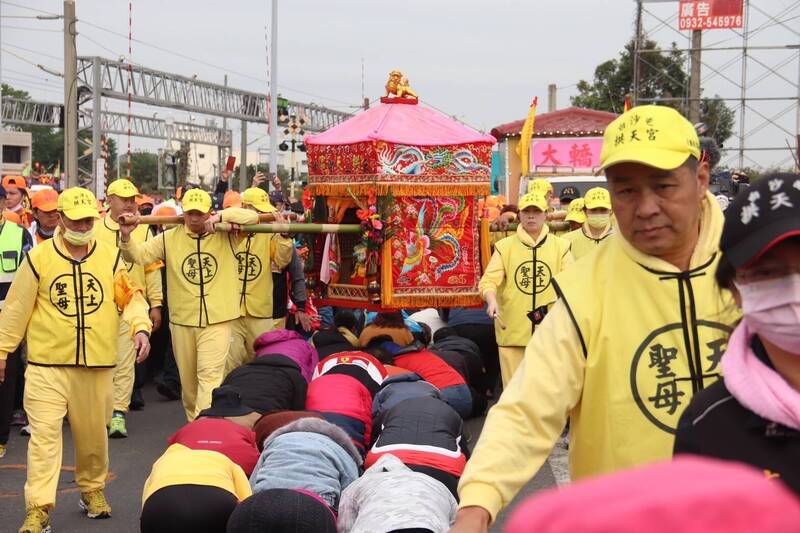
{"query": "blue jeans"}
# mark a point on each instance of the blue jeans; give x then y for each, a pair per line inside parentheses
(459, 398)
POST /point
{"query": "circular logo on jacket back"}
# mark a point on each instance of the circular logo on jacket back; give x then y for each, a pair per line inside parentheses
(66, 295)
(528, 277)
(199, 268)
(249, 266)
(662, 373)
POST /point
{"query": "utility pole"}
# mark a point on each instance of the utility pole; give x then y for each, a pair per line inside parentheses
(70, 96)
(273, 93)
(694, 77)
(243, 162)
(220, 150)
(637, 44)
(552, 95)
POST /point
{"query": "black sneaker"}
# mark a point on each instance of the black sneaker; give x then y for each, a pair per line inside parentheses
(137, 400)
(169, 391)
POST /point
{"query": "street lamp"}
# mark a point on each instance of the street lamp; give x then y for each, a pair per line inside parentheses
(293, 131)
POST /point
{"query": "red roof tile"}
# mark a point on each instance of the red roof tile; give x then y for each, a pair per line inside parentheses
(569, 122)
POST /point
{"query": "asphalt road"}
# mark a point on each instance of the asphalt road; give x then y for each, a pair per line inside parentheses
(131, 460)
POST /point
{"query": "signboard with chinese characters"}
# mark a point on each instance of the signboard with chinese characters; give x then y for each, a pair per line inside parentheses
(710, 14)
(579, 153)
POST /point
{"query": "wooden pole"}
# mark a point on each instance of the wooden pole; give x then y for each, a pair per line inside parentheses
(291, 228)
(178, 219)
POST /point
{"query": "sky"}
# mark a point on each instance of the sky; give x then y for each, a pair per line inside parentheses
(481, 62)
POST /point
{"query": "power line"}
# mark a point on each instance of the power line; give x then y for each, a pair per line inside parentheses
(28, 29)
(33, 51)
(211, 65)
(29, 8)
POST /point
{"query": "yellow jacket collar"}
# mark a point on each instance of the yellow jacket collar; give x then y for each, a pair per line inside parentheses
(110, 223)
(527, 240)
(588, 232)
(711, 221)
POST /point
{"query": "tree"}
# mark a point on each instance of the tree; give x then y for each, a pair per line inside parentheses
(662, 76)
(144, 170)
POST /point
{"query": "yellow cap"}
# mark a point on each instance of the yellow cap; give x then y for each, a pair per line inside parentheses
(77, 203)
(656, 136)
(258, 198)
(533, 199)
(196, 200)
(575, 212)
(122, 188)
(597, 197)
(541, 186)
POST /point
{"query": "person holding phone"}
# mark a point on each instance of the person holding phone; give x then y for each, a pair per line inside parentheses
(518, 280)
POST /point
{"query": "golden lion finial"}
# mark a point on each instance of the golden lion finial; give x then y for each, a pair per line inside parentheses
(398, 86)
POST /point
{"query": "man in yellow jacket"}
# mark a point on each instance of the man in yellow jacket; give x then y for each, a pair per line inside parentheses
(255, 254)
(639, 327)
(517, 284)
(66, 295)
(597, 227)
(202, 284)
(121, 197)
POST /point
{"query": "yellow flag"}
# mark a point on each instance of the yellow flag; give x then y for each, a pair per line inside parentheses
(524, 146)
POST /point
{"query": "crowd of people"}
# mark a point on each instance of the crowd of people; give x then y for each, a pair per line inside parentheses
(614, 328)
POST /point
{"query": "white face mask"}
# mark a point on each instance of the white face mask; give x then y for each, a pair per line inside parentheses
(598, 221)
(772, 310)
(77, 238)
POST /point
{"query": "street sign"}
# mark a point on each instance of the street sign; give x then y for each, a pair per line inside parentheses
(710, 14)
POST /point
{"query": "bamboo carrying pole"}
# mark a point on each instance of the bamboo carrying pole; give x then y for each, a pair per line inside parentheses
(291, 228)
(178, 219)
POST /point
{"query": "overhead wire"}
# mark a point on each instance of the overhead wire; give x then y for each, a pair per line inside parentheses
(6, 2)
(33, 51)
(208, 64)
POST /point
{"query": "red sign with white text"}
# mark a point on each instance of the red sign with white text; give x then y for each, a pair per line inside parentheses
(710, 14)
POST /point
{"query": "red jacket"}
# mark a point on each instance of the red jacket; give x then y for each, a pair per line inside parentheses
(429, 367)
(220, 435)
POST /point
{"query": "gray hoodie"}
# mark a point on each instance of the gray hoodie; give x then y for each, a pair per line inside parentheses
(391, 496)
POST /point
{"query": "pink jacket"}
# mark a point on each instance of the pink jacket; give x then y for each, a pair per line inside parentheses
(290, 344)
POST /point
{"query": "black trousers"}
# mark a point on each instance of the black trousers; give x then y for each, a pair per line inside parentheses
(483, 335)
(187, 509)
(8, 393)
(445, 478)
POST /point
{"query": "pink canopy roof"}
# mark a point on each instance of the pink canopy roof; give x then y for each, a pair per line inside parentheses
(400, 124)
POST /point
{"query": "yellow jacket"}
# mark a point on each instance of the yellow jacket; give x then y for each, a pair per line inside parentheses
(107, 231)
(582, 242)
(255, 254)
(202, 278)
(46, 300)
(180, 465)
(520, 285)
(612, 356)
